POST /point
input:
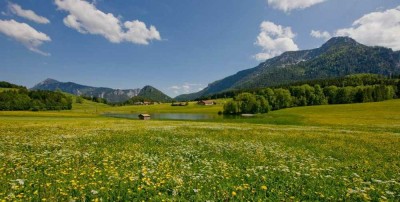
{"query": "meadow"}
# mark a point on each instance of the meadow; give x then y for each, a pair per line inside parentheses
(320, 153)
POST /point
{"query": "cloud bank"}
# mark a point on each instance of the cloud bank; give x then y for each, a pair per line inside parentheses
(376, 29)
(320, 34)
(87, 19)
(24, 34)
(288, 5)
(274, 40)
(186, 88)
(27, 14)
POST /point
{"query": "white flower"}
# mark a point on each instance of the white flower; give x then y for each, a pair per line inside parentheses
(20, 181)
(94, 192)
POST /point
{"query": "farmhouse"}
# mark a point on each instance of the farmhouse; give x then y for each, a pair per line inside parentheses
(179, 104)
(206, 102)
(144, 103)
(144, 116)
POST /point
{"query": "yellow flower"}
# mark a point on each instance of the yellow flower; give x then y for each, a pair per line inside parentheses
(233, 193)
(264, 187)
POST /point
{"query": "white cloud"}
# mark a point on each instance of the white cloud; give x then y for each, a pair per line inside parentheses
(274, 40)
(24, 34)
(186, 88)
(376, 29)
(288, 5)
(320, 34)
(28, 14)
(86, 18)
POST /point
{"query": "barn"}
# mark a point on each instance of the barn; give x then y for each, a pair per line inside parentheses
(144, 116)
(206, 102)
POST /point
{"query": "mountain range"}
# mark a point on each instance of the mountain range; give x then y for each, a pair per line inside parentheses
(111, 95)
(339, 56)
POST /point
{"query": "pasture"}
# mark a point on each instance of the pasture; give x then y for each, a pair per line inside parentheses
(326, 153)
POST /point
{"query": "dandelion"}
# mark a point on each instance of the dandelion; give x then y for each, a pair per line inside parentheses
(233, 193)
(264, 187)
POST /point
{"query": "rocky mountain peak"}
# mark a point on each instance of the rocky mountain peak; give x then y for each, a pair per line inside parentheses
(340, 41)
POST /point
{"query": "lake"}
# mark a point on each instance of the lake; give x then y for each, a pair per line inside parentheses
(178, 116)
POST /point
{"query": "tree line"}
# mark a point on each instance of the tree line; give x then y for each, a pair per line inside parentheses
(22, 99)
(264, 100)
(79, 99)
(4, 84)
(350, 80)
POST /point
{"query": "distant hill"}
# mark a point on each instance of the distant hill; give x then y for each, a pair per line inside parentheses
(5, 84)
(340, 56)
(154, 94)
(111, 95)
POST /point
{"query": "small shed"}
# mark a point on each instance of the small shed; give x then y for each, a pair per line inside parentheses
(206, 102)
(144, 116)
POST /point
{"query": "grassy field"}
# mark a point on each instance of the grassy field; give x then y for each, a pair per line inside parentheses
(90, 107)
(6, 89)
(322, 153)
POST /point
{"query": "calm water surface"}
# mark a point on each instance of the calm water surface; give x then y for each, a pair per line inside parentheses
(176, 116)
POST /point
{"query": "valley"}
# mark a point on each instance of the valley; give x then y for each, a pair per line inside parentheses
(228, 100)
(323, 130)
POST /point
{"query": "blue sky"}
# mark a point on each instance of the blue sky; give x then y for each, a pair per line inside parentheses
(176, 46)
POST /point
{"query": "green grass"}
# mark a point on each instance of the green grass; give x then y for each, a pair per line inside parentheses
(193, 107)
(374, 116)
(321, 153)
(6, 89)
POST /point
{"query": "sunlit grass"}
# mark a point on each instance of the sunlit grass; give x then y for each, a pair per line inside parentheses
(193, 107)
(126, 160)
(322, 153)
(372, 115)
(6, 89)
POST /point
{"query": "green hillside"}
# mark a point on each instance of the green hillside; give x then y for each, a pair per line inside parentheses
(5, 84)
(338, 57)
(154, 94)
(6, 89)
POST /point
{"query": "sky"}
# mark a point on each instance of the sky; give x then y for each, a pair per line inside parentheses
(176, 46)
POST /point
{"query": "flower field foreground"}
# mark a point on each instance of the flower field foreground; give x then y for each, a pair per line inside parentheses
(94, 159)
